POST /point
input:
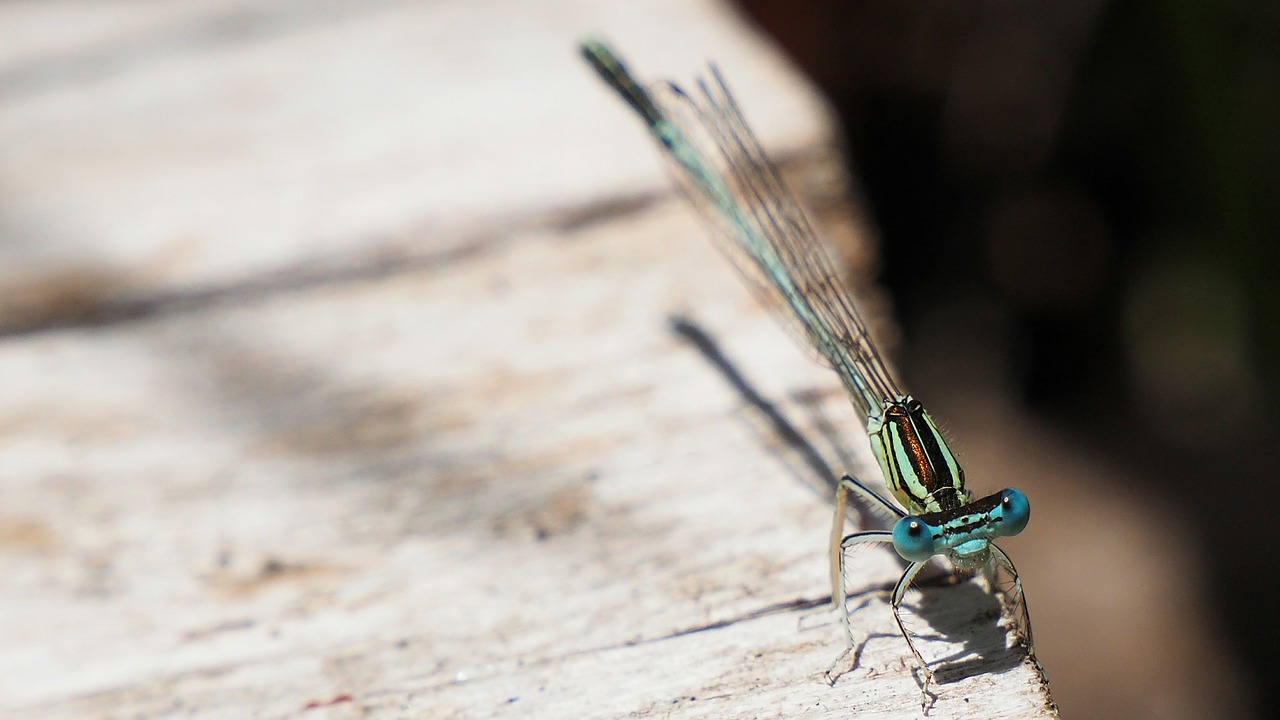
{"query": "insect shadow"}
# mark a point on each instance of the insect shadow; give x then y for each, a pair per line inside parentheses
(953, 606)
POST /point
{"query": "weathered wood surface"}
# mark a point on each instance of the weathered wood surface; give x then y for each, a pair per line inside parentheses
(338, 383)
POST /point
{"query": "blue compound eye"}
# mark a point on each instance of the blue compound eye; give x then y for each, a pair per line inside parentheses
(1014, 512)
(913, 539)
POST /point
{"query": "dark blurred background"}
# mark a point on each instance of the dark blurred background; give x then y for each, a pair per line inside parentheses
(1087, 193)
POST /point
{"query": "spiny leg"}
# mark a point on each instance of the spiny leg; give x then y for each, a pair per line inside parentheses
(872, 501)
(848, 484)
(900, 592)
(838, 594)
(834, 550)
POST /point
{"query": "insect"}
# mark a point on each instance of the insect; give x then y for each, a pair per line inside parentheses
(726, 174)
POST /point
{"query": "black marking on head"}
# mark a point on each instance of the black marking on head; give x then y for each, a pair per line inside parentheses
(978, 508)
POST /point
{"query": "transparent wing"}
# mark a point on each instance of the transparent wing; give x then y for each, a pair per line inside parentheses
(726, 174)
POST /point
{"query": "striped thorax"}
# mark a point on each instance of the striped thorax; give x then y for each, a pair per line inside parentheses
(919, 468)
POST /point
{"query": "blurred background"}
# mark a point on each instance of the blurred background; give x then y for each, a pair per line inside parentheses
(1077, 202)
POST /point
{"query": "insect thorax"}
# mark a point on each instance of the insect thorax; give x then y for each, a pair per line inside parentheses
(918, 466)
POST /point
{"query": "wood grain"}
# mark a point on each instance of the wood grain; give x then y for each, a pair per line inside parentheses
(339, 383)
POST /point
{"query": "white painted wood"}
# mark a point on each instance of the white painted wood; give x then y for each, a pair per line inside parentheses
(485, 481)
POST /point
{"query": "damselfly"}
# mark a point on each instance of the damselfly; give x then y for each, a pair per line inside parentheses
(726, 173)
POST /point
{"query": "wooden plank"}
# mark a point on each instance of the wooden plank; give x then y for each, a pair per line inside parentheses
(166, 150)
(480, 478)
(363, 490)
